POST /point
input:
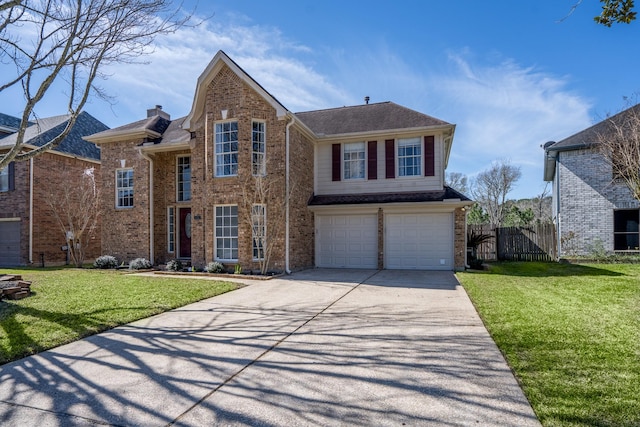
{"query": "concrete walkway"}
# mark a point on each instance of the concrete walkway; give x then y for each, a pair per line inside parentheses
(320, 347)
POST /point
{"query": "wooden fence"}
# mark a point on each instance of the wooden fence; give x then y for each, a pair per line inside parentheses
(534, 243)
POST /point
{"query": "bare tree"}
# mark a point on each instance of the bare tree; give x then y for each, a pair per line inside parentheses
(75, 206)
(618, 141)
(491, 187)
(67, 43)
(457, 181)
(264, 202)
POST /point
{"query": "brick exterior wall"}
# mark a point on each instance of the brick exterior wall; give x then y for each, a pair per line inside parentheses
(459, 239)
(125, 231)
(15, 204)
(50, 172)
(587, 198)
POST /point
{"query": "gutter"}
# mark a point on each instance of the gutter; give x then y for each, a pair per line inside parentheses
(151, 219)
(287, 196)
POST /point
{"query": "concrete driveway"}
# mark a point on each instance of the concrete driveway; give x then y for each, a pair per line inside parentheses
(319, 347)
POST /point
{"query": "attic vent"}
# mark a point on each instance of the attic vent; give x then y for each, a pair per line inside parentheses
(366, 100)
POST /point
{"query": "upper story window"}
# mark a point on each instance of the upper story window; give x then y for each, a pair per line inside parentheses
(183, 177)
(226, 149)
(258, 148)
(4, 179)
(353, 158)
(124, 188)
(409, 157)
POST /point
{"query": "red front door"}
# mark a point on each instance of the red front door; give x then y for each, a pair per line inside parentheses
(185, 233)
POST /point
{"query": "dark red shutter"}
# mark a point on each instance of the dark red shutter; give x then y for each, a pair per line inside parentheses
(429, 156)
(12, 176)
(390, 158)
(372, 159)
(335, 162)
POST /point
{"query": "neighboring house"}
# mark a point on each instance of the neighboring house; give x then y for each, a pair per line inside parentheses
(352, 187)
(28, 231)
(592, 211)
(8, 125)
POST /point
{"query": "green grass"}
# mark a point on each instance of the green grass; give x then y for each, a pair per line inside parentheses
(68, 304)
(571, 333)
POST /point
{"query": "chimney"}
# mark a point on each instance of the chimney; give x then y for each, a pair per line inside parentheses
(157, 111)
(366, 100)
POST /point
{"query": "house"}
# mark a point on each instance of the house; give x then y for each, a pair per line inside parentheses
(29, 233)
(349, 187)
(8, 125)
(592, 210)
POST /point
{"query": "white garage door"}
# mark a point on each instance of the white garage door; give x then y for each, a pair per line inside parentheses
(347, 241)
(9, 243)
(419, 241)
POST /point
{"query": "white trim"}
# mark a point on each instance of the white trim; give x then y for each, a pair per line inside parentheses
(215, 237)
(215, 152)
(264, 143)
(12, 219)
(116, 188)
(385, 134)
(178, 156)
(171, 223)
(343, 161)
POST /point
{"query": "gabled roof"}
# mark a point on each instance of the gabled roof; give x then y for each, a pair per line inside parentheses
(43, 130)
(588, 137)
(151, 127)
(381, 116)
(214, 67)
(447, 193)
(8, 124)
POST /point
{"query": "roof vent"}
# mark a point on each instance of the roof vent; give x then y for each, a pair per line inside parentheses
(157, 111)
(366, 99)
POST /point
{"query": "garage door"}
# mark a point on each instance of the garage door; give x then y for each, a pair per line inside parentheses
(419, 241)
(347, 241)
(9, 243)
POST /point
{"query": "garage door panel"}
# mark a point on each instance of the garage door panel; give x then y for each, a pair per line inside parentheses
(9, 243)
(347, 241)
(419, 241)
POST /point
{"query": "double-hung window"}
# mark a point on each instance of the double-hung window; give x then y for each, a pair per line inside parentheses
(124, 188)
(184, 178)
(4, 179)
(226, 230)
(409, 157)
(171, 230)
(354, 158)
(226, 148)
(626, 233)
(258, 148)
(258, 230)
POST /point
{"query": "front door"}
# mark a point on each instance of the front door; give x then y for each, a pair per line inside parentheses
(185, 233)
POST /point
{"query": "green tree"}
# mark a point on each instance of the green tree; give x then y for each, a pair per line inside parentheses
(616, 12)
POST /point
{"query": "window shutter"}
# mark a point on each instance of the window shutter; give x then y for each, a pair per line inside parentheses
(335, 162)
(390, 158)
(372, 159)
(429, 156)
(12, 176)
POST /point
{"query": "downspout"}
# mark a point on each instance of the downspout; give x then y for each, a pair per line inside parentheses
(151, 248)
(31, 210)
(287, 197)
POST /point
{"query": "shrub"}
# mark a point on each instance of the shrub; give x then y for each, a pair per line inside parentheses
(106, 261)
(140, 264)
(214, 267)
(174, 265)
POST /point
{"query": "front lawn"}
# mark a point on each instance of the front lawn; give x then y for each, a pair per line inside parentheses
(69, 303)
(571, 333)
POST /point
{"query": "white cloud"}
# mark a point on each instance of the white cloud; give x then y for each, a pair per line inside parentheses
(168, 75)
(506, 111)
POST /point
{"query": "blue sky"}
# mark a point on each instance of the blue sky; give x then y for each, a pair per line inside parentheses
(510, 74)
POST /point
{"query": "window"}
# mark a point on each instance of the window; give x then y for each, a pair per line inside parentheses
(353, 156)
(258, 230)
(226, 148)
(4, 179)
(258, 148)
(124, 188)
(409, 157)
(171, 230)
(184, 178)
(625, 230)
(226, 222)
